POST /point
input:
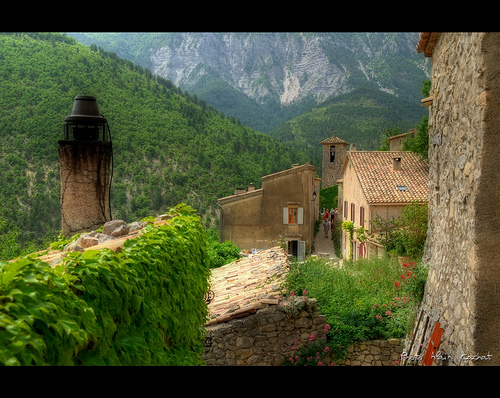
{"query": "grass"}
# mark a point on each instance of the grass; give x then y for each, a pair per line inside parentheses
(364, 300)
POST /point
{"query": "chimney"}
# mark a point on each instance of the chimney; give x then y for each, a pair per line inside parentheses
(251, 187)
(396, 164)
(85, 168)
(353, 147)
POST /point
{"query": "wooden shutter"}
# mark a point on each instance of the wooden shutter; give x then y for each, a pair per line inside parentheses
(300, 215)
(353, 212)
(301, 249)
(285, 215)
(362, 216)
(345, 209)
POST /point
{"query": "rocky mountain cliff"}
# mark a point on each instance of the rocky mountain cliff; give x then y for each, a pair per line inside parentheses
(264, 78)
(289, 66)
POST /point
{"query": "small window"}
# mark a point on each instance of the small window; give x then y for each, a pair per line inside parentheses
(293, 215)
(402, 187)
(332, 153)
(353, 212)
(345, 209)
(362, 216)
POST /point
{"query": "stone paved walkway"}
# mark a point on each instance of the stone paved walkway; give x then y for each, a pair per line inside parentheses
(323, 247)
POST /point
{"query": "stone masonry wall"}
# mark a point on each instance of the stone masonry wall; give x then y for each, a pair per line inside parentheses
(462, 285)
(264, 338)
(374, 353)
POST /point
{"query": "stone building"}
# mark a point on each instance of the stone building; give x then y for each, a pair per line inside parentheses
(463, 286)
(334, 150)
(396, 141)
(378, 183)
(283, 210)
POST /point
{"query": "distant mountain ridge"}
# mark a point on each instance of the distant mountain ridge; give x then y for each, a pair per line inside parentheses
(281, 75)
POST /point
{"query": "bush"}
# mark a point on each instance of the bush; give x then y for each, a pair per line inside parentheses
(142, 306)
(365, 300)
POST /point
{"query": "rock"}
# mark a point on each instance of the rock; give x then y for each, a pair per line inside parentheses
(86, 240)
(73, 247)
(103, 237)
(115, 228)
(134, 226)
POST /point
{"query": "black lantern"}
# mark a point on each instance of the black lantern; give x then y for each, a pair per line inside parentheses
(86, 123)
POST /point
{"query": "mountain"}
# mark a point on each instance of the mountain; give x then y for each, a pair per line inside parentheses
(169, 146)
(265, 79)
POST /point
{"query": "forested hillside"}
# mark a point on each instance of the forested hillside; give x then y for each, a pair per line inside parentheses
(361, 117)
(169, 147)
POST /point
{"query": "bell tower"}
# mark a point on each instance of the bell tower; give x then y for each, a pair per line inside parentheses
(334, 151)
(85, 157)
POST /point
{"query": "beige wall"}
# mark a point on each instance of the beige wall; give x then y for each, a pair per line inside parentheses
(255, 220)
(352, 193)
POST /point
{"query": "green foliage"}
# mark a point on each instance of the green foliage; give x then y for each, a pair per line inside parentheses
(406, 235)
(349, 227)
(142, 306)
(220, 253)
(169, 147)
(328, 197)
(365, 300)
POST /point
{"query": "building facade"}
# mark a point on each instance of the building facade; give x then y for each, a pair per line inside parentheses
(463, 286)
(282, 211)
(378, 183)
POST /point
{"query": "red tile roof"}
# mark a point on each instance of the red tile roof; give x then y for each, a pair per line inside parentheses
(246, 285)
(380, 182)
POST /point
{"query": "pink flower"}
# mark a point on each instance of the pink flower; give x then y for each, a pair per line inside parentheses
(311, 337)
(291, 360)
(326, 349)
(388, 312)
(292, 293)
(304, 293)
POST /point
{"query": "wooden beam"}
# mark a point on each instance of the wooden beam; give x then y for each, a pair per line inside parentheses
(427, 101)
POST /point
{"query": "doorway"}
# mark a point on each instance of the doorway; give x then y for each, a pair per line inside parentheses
(297, 248)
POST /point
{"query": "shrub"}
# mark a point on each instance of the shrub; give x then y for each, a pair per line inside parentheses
(365, 300)
(142, 306)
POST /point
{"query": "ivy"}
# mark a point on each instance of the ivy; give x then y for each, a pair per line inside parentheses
(142, 306)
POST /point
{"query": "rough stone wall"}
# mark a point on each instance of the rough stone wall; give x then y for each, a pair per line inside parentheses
(462, 213)
(374, 353)
(331, 170)
(264, 338)
(85, 185)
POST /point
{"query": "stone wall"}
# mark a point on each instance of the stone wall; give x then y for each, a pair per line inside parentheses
(463, 285)
(374, 353)
(264, 338)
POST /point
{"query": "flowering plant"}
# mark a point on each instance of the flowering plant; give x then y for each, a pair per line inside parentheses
(313, 353)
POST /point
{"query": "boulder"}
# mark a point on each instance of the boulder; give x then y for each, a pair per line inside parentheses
(115, 228)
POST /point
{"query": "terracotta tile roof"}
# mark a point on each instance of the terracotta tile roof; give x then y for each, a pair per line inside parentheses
(333, 140)
(246, 285)
(380, 182)
(426, 43)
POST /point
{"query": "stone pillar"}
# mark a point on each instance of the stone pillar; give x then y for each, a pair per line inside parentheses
(85, 185)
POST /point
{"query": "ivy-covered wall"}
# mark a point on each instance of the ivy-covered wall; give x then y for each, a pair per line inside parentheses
(142, 306)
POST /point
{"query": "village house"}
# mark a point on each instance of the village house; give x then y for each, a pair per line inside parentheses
(283, 210)
(396, 141)
(378, 183)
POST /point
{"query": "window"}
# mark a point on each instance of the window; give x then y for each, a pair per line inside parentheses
(353, 209)
(332, 153)
(362, 216)
(345, 209)
(293, 215)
